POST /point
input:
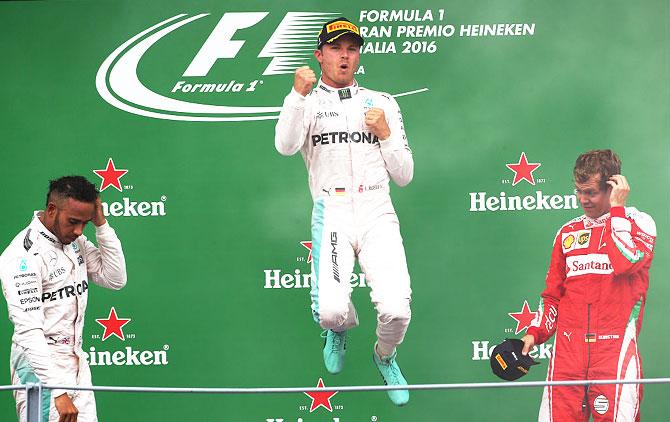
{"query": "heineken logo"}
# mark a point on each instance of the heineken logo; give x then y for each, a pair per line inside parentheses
(511, 197)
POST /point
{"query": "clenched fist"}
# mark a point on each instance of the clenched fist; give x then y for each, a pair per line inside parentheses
(305, 78)
(376, 121)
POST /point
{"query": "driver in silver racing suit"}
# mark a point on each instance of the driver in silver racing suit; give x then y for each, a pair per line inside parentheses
(45, 274)
(352, 141)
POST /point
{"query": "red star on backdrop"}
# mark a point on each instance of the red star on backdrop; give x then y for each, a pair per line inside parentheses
(113, 325)
(523, 170)
(321, 398)
(308, 244)
(523, 318)
(110, 176)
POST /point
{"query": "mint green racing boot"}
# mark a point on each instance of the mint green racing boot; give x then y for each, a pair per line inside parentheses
(334, 349)
(390, 372)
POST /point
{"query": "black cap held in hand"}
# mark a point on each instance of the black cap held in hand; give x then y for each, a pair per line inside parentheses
(335, 28)
(508, 363)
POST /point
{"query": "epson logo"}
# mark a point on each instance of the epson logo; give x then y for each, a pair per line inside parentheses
(29, 300)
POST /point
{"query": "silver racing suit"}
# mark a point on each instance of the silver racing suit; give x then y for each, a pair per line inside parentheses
(349, 170)
(45, 284)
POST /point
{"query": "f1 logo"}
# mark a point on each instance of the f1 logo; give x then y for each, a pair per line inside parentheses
(290, 46)
(219, 44)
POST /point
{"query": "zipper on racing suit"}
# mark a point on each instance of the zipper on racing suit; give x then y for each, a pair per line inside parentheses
(587, 339)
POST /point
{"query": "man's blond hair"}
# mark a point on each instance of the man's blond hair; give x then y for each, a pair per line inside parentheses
(603, 162)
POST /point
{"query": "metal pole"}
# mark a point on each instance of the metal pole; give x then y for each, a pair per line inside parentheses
(33, 402)
(40, 396)
(271, 390)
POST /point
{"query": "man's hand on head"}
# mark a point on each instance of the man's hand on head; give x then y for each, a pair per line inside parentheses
(305, 78)
(376, 121)
(98, 216)
(620, 190)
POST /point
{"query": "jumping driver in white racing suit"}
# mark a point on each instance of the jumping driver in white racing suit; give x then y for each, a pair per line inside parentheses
(352, 140)
(45, 273)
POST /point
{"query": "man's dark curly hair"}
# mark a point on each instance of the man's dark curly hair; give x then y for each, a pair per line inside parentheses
(75, 187)
(603, 162)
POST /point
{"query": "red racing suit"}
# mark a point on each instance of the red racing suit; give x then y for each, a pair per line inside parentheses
(596, 287)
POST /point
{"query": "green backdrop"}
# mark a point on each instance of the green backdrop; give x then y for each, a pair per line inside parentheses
(572, 76)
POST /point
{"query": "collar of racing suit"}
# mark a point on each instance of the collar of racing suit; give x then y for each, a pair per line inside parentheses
(329, 90)
(595, 222)
(43, 231)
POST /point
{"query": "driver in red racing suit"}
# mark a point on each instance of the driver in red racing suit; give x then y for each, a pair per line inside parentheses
(594, 298)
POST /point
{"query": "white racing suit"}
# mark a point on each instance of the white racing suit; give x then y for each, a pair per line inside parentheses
(353, 216)
(45, 284)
